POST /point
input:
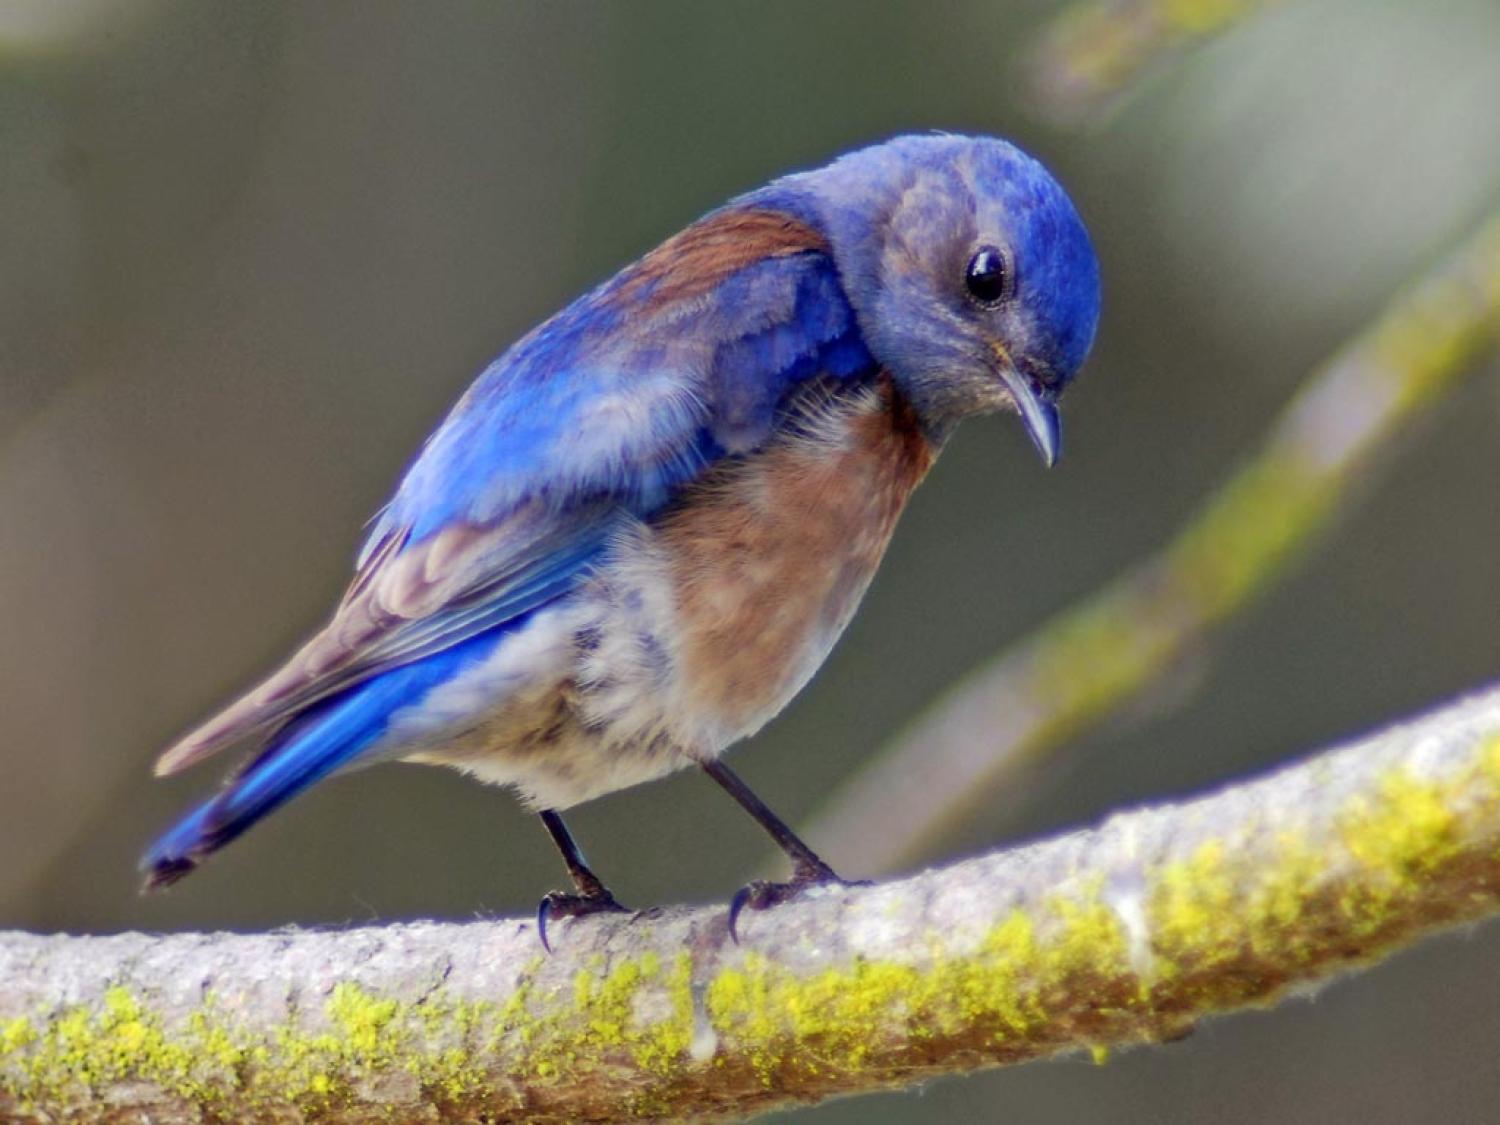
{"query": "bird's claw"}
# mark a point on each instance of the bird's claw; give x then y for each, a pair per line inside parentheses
(763, 894)
(559, 904)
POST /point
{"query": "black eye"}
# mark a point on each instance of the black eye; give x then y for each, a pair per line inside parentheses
(988, 276)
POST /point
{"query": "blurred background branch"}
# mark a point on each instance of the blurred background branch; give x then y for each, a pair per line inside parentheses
(1096, 51)
(1084, 665)
(1130, 932)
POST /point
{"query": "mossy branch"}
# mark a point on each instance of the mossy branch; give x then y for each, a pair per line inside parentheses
(1130, 932)
(1098, 50)
(1084, 664)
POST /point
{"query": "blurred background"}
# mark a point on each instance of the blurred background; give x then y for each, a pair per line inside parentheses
(250, 253)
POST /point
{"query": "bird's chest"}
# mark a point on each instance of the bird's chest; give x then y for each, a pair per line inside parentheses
(721, 610)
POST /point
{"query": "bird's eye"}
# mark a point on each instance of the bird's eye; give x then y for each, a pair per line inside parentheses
(988, 278)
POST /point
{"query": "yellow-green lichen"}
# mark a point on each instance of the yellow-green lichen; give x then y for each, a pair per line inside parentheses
(1093, 963)
(667, 1041)
(1489, 759)
(1408, 829)
(455, 1072)
(637, 1010)
(1308, 894)
(208, 1058)
(997, 996)
(16, 1033)
(1399, 837)
(1194, 908)
(632, 1010)
(86, 1048)
(365, 1024)
(1276, 906)
(1090, 938)
(1013, 947)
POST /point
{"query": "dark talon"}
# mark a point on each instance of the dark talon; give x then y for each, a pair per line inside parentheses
(591, 897)
(559, 904)
(763, 894)
(807, 869)
(736, 904)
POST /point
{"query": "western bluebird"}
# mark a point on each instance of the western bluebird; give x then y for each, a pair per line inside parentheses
(641, 530)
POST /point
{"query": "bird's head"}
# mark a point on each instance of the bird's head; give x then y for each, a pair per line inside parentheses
(972, 275)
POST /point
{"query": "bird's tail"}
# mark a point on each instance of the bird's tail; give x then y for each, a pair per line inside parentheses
(322, 739)
(303, 752)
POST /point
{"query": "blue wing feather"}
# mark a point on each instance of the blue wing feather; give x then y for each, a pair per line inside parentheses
(598, 417)
(601, 415)
(322, 739)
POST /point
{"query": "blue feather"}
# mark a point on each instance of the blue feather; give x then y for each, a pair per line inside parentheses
(589, 421)
(321, 740)
(612, 410)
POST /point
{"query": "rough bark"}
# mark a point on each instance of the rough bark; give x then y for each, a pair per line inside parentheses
(1126, 933)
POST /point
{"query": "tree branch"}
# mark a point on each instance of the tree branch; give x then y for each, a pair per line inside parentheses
(1014, 709)
(1097, 51)
(1130, 932)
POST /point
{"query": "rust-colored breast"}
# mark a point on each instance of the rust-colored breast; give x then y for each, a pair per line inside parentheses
(771, 559)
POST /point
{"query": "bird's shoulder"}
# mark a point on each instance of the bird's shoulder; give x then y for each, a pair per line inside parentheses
(637, 386)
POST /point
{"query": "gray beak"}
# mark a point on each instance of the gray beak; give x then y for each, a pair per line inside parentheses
(1038, 412)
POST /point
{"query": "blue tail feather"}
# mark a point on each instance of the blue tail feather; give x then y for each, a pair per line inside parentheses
(322, 739)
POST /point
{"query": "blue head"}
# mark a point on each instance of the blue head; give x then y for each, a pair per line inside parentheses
(972, 275)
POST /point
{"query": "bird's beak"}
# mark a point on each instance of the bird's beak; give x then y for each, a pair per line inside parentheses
(1036, 406)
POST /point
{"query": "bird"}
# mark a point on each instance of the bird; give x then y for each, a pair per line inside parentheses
(640, 531)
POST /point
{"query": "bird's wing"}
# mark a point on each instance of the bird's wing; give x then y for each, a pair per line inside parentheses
(599, 416)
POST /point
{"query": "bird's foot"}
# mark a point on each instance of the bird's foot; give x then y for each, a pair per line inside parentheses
(559, 904)
(764, 894)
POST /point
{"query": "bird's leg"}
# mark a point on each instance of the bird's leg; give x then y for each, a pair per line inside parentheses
(590, 895)
(807, 869)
